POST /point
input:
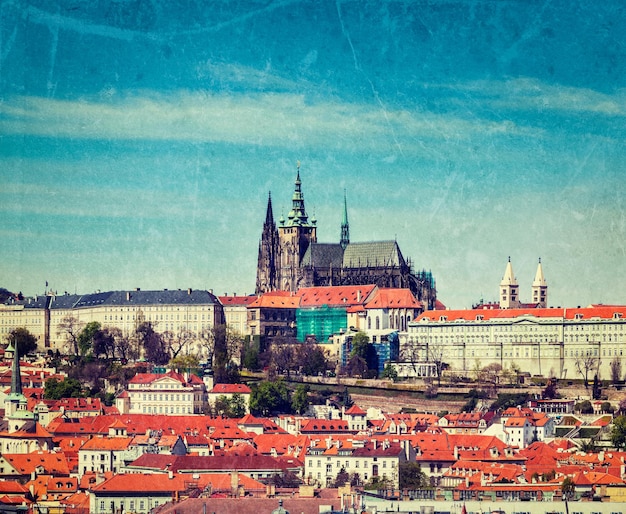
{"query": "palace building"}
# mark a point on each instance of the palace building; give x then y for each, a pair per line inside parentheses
(290, 257)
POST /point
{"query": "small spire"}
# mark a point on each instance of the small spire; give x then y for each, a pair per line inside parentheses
(345, 227)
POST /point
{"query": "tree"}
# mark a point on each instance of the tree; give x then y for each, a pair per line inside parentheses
(184, 363)
(268, 397)
(55, 389)
(175, 343)
(22, 340)
(300, 400)
(411, 476)
(250, 358)
(152, 343)
(618, 432)
(597, 388)
(616, 370)
(584, 407)
(436, 352)
(104, 342)
(70, 327)
(283, 354)
(86, 337)
(389, 372)
(584, 364)
(491, 374)
(342, 478)
(550, 392)
(363, 359)
(568, 488)
(311, 360)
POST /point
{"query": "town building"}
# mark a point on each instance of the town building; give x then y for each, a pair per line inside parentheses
(290, 258)
(50, 317)
(554, 342)
(236, 312)
(372, 458)
(163, 393)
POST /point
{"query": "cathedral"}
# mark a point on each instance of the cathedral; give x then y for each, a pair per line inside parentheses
(291, 258)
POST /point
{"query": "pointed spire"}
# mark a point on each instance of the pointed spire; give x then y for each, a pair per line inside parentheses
(345, 227)
(16, 374)
(297, 215)
(269, 215)
(509, 276)
(540, 280)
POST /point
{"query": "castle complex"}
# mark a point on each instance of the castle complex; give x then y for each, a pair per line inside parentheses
(290, 257)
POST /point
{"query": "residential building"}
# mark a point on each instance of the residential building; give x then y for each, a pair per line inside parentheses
(227, 391)
(236, 312)
(273, 314)
(373, 458)
(163, 393)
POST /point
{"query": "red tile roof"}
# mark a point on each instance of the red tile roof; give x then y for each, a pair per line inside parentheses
(335, 296)
(230, 389)
(389, 298)
(237, 300)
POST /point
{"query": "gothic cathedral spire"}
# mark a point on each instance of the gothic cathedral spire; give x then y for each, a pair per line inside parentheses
(345, 228)
(268, 250)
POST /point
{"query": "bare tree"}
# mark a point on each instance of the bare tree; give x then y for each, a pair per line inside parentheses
(176, 343)
(584, 364)
(412, 352)
(436, 353)
(70, 327)
(616, 369)
(283, 352)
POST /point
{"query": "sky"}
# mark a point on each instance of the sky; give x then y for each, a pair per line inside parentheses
(139, 140)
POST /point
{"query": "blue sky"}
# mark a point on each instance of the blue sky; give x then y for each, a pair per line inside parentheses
(139, 139)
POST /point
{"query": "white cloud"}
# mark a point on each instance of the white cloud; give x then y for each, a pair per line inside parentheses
(528, 93)
(259, 119)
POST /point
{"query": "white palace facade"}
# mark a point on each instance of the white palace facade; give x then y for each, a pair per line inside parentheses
(550, 342)
(533, 338)
(167, 310)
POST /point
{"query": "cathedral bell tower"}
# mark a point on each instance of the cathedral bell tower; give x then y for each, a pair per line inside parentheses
(509, 289)
(294, 237)
(540, 288)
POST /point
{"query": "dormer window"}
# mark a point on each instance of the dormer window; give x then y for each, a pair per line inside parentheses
(578, 316)
(617, 315)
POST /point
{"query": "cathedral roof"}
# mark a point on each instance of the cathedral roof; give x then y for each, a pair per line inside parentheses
(377, 253)
(323, 255)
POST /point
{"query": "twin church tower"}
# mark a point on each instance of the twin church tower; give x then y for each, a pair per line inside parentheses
(291, 258)
(509, 290)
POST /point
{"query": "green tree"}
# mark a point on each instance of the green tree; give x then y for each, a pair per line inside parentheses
(411, 476)
(186, 363)
(87, 336)
(22, 340)
(584, 407)
(300, 400)
(568, 488)
(363, 358)
(268, 397)
(250, 359)
(55, 389)
(389, 372)
(618, 432)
